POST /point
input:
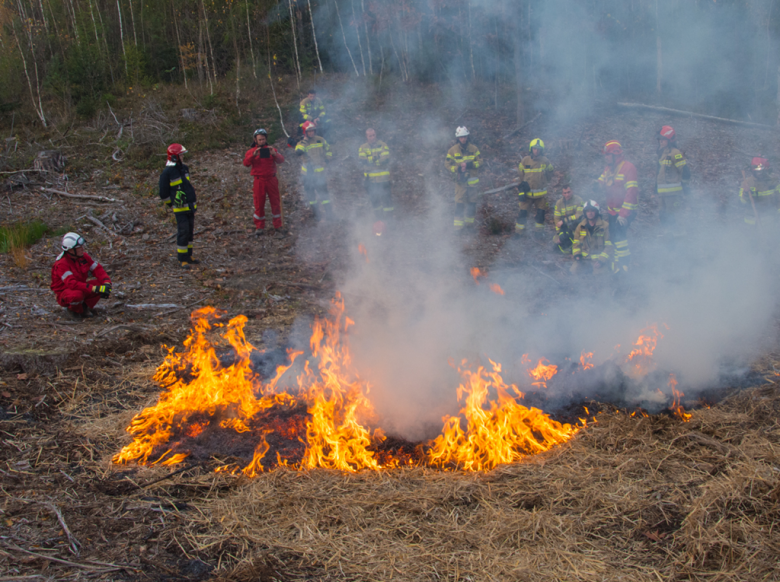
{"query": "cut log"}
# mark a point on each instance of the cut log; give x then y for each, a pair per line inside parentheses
(692, 114)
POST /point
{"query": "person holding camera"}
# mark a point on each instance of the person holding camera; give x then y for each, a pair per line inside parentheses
(263, 158)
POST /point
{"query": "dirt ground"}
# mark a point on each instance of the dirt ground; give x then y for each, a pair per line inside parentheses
(69, 389)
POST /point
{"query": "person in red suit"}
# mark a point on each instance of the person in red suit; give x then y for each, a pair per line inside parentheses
(78, 281)
(263, 159)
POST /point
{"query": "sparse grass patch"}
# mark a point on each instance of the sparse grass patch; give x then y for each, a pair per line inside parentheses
(16, 238)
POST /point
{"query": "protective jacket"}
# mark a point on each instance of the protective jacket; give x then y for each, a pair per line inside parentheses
(593, 242)
(72, 273)
(537, 172)
(375, 160)
(569, 211)
(312, 110)
(458, 154)
(314, 154)
(765, 191)
(673, 172)
(175, 188)
(621, 188)
(263, 167)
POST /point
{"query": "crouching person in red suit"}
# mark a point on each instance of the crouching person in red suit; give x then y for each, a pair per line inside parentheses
(78, 281)
(263, 158)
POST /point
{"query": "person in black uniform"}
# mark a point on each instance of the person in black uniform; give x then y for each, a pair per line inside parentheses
(177, 192)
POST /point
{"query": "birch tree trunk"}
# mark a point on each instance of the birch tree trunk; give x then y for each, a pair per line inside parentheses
(357, 33)
(178, 42)
(122, 36)
(211, 47)
(368, 38)
(344, 36)
(295, 46)
(314, 35)
(251, 48)
(37, 106)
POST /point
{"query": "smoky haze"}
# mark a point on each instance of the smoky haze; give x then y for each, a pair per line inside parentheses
(416, 307)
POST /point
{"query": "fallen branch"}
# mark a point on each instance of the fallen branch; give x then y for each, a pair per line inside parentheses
(21, 288)
(73, 543)
(154, 306)
(106, 567)
(80, 196)
(527, 123)
(502, 188)
(97, 222)
(692, 114)
(127, 326)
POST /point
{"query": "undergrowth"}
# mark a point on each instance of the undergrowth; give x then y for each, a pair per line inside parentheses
(17, 237)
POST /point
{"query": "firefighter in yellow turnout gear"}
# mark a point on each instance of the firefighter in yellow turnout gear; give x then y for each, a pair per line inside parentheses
(592, 243)
(315, 153)
(463, 161)
(673, 179)
(535, 172)
(763, 187)
(313, 111)
(568, 214)
(374, 156)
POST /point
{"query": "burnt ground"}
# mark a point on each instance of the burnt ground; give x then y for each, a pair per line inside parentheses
(68, 389)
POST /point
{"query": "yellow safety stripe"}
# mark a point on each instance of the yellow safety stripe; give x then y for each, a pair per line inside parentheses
(665, 188)
(680, 164)
(473, 181)
(629, 206)
(632, 184)
(765, 193)
(176, 182)
(185, 208)
(376, 174)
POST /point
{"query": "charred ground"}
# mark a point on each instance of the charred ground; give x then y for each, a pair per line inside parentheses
(637, 498)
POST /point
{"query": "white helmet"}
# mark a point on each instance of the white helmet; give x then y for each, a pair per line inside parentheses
(461, 132)
(72, 240)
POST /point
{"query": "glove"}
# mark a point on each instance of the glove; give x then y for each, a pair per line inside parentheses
(622, 220)
(524, 187)
(103, 290)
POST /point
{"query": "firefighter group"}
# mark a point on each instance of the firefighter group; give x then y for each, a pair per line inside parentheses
(594, 235)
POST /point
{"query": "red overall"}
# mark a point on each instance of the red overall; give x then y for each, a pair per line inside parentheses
(72, 279)
(264, 171)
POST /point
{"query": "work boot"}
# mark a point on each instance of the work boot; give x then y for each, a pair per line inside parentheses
(72, 315)
(185, 265)
(192, 261)
(87, 313)
(259, 232)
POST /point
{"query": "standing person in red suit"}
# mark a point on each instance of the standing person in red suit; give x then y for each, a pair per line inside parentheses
(78, 281)
(263, 158)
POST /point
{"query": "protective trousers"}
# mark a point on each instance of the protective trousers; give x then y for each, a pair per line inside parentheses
(381, 200)
(671, 206)
(566, 237)
(316, 186)
(466, 199)
(619, 236)
(76, 301)
(185, 230)
(526, 203)
(261, 187)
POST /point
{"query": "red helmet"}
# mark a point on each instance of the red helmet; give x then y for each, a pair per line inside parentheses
(667, 132)
(613, 147)
(759, 163)
(174, 151)
(309, 125)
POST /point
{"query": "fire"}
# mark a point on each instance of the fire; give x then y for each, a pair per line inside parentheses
(676, 407)
(476, 273)
(641, 357)
(542, 373)
(585, 360)
(496, 431)
(323, 418)
(362, 250)
(496, 288)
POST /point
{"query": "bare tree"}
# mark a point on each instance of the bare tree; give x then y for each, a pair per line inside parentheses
(314, 34)
(344, 36)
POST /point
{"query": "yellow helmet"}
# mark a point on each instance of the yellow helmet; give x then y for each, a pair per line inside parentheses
(536, 143)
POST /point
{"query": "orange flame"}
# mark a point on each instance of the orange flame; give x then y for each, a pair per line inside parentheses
(585, 360)
(677, 408)
(503, 432)
(362, 250)
(496, 288)
(542, 373)
(476, 273)
(202, 398)
(641, 357)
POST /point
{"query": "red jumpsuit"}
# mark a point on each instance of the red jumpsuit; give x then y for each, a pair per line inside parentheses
(621, 188)
(264, 171)
(72, 279)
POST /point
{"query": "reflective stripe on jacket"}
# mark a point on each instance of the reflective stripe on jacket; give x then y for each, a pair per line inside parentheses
(570, 212)
(537, 172)
(175, 188)
(621, 188)
(593, 242)
(73, 272)
(314, 154)
(456, 156)
(312, 110)
(759, 190)
(375, 160)
(671, 166)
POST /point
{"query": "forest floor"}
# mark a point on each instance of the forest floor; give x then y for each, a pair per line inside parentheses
(630, 499)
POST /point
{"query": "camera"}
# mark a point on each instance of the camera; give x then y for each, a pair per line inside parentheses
(265, 152)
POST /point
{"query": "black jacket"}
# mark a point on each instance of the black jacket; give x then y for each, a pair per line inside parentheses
(175, 188)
